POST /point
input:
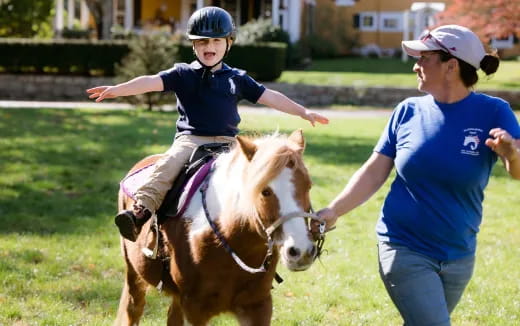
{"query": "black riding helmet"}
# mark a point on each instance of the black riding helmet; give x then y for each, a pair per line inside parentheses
(210, 22)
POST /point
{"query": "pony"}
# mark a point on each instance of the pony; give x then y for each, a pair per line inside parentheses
(251, 210)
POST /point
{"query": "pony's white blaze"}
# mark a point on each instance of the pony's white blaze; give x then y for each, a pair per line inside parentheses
(296, 245)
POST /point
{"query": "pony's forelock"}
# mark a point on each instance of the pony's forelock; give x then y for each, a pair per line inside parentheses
(274, 152)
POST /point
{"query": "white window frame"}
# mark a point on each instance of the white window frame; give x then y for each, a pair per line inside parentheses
(397, 15)
(345, 3)
(362, 16)
(503, 43)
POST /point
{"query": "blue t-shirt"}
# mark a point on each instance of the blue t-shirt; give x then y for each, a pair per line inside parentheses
(442, 167)
(210, 107)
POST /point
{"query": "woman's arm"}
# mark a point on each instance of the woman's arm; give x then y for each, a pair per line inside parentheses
(363, 184)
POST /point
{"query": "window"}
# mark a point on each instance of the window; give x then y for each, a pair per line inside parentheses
(502, 43)
(345, 3)
(367, 21)
(391, 21)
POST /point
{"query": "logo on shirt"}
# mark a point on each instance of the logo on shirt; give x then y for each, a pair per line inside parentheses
(232, 87)
(471, 141)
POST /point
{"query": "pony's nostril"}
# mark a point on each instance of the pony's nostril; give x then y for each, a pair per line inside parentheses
(293, 252)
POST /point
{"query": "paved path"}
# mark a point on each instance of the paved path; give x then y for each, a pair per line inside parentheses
(124, 106)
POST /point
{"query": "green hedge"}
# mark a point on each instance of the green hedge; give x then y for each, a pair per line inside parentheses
(67, 57)
(263, 61)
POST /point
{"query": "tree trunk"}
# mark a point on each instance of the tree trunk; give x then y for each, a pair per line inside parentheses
(103, 13)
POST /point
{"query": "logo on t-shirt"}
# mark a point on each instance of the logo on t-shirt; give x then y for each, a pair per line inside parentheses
(232, 87)
(471, 141)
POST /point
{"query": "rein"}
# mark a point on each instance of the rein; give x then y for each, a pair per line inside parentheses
(319, 238)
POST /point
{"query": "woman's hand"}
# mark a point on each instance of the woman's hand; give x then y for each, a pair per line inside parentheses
(328, 216)
(503, 144)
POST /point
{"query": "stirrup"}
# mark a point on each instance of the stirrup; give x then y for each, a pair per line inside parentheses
(154, 227)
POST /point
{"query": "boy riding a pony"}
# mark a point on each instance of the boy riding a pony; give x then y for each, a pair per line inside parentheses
(208, 92)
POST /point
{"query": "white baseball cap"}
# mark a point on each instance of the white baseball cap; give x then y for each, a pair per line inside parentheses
(456, 40)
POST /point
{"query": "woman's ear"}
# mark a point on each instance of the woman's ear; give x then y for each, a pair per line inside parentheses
(453, 65)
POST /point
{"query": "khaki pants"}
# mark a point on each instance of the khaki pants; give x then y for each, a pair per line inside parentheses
(166, 169)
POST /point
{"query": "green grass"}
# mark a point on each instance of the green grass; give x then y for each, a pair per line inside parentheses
(362, 72)
(60, 260)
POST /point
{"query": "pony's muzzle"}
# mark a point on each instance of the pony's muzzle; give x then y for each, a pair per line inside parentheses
(297, 259)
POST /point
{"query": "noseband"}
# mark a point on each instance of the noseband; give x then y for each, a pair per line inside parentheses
(319, 238)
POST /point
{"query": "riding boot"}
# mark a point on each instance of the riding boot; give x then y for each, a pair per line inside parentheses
(129, 224)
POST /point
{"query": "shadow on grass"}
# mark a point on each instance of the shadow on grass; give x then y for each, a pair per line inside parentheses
(61, 169)
(332, 149)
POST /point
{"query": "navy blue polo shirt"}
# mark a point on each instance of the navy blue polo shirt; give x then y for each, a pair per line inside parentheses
(209, 108)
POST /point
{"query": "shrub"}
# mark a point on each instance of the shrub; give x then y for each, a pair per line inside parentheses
(261, 30)
(148, 55)
(66, 57)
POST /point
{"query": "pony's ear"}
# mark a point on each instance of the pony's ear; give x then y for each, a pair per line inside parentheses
(247, 146)
(297, 137)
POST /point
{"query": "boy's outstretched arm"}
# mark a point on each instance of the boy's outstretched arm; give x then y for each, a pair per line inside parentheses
(136, 86)
(282, 103)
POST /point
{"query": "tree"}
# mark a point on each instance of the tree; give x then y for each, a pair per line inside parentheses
(102, 11)
(487, 18)
(26, 18)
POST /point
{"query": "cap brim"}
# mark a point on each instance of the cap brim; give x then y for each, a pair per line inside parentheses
(414, 48)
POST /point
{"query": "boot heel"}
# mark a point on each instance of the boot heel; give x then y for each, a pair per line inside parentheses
(125, 221)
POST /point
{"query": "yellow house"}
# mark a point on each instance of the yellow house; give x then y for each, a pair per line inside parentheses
(285, 13)
(376, 26)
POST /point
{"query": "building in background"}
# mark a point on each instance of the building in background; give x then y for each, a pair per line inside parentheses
(143, 15)
(366, 27)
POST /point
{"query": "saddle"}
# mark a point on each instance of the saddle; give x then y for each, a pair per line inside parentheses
(201, 156)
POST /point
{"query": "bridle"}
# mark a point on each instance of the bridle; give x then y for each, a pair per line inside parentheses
(319, 238)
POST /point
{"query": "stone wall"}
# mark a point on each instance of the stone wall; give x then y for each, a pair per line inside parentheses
(65, 88)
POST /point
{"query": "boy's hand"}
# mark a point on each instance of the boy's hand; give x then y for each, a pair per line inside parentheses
(102, 92)
(314, 117)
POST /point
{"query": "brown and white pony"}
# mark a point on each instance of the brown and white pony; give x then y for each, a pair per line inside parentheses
(259, 189)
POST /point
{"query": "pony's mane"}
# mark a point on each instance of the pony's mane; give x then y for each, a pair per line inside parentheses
(274, 153)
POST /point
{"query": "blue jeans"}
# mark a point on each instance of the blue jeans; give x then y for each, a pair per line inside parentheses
(424, 290)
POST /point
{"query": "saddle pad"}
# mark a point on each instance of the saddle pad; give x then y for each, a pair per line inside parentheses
(135, 180)
(132, 182)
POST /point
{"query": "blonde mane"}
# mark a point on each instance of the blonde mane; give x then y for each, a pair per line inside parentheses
(273, 154)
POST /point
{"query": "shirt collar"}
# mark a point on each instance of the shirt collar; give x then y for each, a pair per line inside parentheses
(197, 66)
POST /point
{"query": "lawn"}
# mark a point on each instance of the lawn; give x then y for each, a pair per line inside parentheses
(59, 250)
(387, 72)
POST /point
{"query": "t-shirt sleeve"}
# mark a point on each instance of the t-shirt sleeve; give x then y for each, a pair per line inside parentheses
(387, 142)
(507, 120)
(251, 90)
(171, 78)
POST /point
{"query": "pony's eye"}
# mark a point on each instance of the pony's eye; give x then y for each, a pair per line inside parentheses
(267, 192)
